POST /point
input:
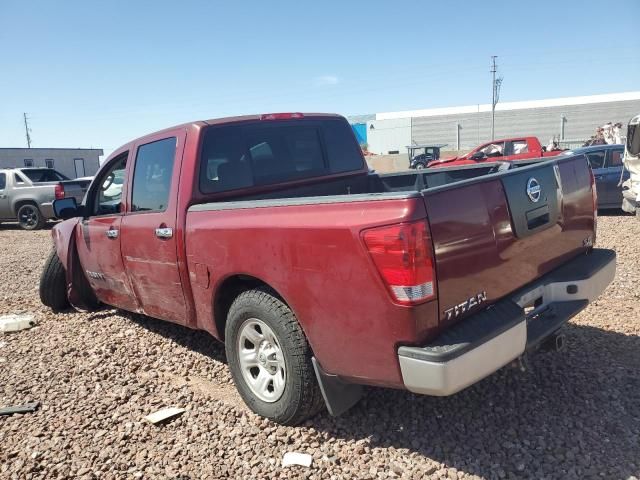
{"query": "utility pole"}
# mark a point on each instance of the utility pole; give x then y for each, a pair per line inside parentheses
(27, 130)
(495, 93)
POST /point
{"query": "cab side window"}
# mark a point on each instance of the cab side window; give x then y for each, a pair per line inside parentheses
(3, 181)
(152, 176)
(108, 197)
(493, 149)
(520, 146)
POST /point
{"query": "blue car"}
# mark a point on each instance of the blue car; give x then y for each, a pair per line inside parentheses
(606, 163)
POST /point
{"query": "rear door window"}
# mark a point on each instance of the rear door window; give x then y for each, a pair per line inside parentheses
(615, 158)
(38, 175)
(596, 159)
(241, 156)
(152, 176)
(520, 146)
(3, 181)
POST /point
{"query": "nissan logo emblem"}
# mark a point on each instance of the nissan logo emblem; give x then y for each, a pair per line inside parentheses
(534, 190)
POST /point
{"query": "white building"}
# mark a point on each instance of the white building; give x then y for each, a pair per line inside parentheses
(72, 162)
(572, 120)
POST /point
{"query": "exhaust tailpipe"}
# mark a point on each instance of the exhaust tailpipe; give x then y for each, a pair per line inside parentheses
(554, 343)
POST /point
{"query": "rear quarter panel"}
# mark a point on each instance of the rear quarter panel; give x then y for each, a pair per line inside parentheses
(313, 256)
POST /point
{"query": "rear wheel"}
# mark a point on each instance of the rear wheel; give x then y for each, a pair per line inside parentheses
(53, 283)
(270, 358)
(30, 217)
(420, 166)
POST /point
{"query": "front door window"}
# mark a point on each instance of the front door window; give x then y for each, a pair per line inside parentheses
(109, 192)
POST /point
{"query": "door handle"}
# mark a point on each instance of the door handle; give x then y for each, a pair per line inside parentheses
(2, 196)
(112, 233)
(164, 232)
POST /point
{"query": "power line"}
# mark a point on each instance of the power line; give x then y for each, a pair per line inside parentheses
(27, 130)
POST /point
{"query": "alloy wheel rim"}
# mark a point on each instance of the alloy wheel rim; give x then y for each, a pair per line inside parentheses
(261, 360)
(28, 216)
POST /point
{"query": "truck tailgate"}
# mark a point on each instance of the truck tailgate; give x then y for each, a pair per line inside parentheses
(495, 234)
(75, 189)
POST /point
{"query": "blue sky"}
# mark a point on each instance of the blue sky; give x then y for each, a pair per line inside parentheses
(101, 73)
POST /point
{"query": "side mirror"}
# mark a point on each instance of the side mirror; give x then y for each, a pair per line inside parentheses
(478, 156)
(66, 208)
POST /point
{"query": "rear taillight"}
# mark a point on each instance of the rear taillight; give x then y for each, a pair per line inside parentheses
(594, 199)
(59, 191)
(403, 255)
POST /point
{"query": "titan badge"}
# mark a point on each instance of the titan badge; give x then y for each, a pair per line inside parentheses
(465, 306)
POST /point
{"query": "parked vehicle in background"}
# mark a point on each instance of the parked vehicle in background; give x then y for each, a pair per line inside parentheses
(27, 194)
(519, 148)
(606, 163)
(421, 155)
(74, 188)
(270, 232)
(631, 187)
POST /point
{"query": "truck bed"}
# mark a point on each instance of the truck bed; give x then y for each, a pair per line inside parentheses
(488, 239)
(374, 183)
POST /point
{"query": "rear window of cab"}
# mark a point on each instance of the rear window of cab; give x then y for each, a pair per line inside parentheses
(270, 152)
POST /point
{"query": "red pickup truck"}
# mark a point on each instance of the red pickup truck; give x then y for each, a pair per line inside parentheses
(270, 232)
(520, 148)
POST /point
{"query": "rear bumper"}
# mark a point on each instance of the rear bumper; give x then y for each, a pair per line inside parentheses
(490, 339)
(46, 208)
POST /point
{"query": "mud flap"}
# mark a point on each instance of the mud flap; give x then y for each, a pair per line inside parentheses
(339, 396)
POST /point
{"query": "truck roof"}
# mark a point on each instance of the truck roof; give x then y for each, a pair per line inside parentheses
(241, 118)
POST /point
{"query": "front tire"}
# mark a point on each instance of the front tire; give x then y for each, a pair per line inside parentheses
(30, 217)
(53, 283)
(270, 358)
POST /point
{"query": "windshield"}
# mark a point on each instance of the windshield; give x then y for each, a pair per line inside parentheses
(38, 175)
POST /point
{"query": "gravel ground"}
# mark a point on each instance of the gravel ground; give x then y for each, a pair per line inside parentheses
(574, 414)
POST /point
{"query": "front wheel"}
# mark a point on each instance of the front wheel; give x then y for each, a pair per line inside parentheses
(30, 217)
(53, 283)
(270, 358)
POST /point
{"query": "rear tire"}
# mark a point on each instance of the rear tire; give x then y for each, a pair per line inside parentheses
(53, 283)
(30, 217)
(259, 322)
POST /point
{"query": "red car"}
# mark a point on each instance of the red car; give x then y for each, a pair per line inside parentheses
(519, 148)
(270, 233)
